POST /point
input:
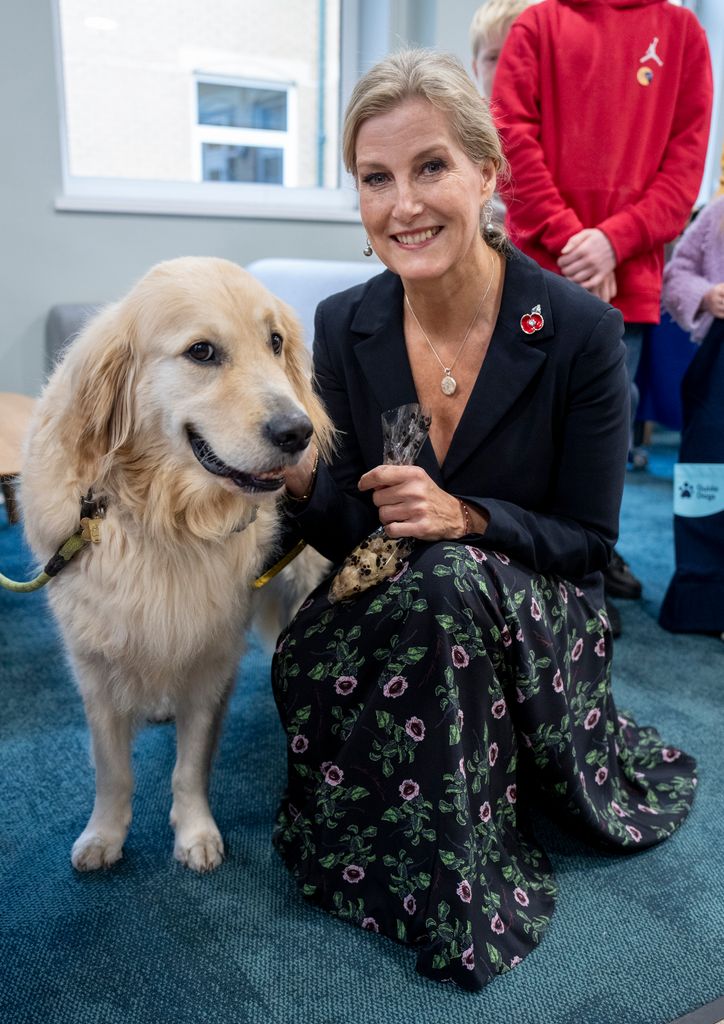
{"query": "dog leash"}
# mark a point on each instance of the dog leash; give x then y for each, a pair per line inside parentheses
(92, 512)
(261, 581)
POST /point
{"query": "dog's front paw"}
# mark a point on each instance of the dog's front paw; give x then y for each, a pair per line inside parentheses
(200, 851)
(93, 850)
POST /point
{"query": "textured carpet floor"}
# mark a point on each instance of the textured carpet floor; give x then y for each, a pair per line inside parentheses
(635, 939)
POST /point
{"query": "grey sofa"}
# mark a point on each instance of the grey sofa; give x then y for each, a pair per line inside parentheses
(299, 282)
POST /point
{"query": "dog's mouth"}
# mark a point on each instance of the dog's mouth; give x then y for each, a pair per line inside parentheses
(269, 480)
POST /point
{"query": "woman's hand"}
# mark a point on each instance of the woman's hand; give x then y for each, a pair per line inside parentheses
(300, 478)
(411, 505)
(713, 301)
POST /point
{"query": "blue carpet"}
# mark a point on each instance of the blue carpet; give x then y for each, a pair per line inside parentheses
(635, 939)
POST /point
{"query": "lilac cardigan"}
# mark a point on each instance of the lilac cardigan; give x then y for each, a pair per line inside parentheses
(696, 265)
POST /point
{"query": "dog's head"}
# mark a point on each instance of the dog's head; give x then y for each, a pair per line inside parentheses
(200, 374)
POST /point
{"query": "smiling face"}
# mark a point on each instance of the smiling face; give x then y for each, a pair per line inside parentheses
(420, 193)
(199, 373)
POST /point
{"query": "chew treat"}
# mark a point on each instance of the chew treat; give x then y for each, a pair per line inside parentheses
(378, 557)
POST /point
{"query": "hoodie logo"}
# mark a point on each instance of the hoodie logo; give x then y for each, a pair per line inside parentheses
(651, 53)
(645, 75)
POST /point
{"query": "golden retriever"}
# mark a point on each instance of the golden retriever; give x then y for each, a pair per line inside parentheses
(178, 406)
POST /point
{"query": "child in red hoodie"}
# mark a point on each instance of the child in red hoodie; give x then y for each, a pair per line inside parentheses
(604, 110)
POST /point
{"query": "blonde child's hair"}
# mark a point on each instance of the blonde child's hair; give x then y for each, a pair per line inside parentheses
(494, 17)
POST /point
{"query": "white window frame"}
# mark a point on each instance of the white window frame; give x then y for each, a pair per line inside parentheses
(222, 199)
(258, 138)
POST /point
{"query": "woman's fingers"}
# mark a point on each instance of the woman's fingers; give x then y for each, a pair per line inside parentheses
(393, 513)
(389, 476)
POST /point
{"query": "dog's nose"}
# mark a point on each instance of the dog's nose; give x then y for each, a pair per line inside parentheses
(290, 431)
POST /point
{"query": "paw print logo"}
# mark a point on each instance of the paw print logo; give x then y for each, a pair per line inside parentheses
(686, 490)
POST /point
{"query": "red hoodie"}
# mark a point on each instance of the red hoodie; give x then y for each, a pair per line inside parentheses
(604, 107)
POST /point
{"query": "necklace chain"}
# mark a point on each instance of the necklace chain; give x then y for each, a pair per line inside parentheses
(448, 384)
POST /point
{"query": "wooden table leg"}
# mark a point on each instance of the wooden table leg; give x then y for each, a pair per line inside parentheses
(7, 483)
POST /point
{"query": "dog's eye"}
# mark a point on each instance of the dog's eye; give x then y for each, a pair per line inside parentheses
(276, 342)
(202, 352)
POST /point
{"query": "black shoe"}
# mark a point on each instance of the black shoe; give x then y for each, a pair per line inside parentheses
(614, 618)
(619, 581)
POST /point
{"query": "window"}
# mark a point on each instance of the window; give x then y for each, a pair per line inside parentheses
(246, 133)
(227, 107)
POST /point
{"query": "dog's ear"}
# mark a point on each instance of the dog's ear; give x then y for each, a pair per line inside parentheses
(104, 377)
(299, 370)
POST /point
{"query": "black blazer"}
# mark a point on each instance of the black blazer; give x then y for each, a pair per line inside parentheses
(542, 442)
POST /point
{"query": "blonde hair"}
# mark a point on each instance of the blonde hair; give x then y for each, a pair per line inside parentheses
(442, 80)
(494, 18)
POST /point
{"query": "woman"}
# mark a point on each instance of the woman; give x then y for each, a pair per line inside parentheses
(424, 716)
(693, 293)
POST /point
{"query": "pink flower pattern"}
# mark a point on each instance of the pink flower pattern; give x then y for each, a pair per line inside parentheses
(333, 775)
(592, 718)
(415, 728)
(460, 657)
(395, 687)
(345, 684)
(385, 703)
(499, 708)
(464, 891)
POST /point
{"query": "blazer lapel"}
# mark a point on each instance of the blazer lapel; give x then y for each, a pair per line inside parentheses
(513, 360)
(382, 355)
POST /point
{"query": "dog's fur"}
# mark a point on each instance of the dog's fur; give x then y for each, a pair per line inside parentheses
(156, 613)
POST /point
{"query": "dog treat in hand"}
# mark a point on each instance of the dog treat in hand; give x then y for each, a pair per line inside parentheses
(378, 557)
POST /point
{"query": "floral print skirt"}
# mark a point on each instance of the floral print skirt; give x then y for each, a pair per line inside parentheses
(423, 718)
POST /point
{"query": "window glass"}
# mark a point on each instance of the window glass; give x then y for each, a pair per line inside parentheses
(243, 163)
(242, 107)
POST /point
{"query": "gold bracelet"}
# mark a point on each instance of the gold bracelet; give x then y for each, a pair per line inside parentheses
(466, 518)
(308, 495)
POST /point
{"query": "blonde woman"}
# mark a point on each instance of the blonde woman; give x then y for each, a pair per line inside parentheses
(425, 715)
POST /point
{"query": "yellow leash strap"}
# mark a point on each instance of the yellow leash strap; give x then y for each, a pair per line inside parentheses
(262, 580)
(90, 533)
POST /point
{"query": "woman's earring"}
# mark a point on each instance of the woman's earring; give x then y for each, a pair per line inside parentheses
(367, 251)
(488, 217)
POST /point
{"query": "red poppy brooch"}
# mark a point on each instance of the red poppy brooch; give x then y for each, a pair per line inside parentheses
(533, 321)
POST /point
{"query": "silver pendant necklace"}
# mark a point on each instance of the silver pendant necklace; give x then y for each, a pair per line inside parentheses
(448, 384)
